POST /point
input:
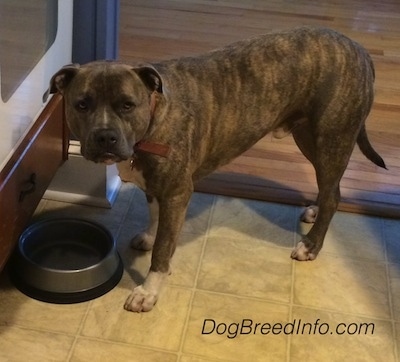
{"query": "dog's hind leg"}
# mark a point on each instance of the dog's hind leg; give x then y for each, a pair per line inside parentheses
(303, 136)
(329, 153)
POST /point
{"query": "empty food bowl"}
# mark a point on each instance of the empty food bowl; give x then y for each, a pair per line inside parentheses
(66, 260)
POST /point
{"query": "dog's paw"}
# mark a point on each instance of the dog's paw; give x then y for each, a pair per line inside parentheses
(140, 300)
(303, 253)
(310, 214)
(144, 297)
(143, 241)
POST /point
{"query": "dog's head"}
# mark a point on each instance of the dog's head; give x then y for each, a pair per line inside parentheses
(108, 106)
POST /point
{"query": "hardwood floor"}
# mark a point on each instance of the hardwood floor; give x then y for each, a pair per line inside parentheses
(275, 170)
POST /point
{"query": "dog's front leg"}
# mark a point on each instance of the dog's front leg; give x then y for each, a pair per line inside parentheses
(172, 213)
(145, 240)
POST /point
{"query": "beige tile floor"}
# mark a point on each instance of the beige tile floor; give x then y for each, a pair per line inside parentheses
(231, 267)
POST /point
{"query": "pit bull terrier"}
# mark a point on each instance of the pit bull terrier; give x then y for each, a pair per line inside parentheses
(168, 124)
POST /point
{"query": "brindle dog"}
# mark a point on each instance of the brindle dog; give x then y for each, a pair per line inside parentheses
(170, 123)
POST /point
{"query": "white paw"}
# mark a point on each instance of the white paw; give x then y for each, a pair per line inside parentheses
(144, 297)
(140, 300)
(143, 241)
(302, 253)
(310, 214)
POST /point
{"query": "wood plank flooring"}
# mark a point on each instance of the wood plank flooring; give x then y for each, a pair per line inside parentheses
(275, 170)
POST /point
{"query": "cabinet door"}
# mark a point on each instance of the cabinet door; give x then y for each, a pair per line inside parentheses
(28, 173)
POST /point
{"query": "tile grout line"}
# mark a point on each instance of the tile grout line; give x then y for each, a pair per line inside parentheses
(282, 303)
(78, 332)
(84, 318)
(295, 237)
(389, 290)
(129, 344)
(194, 287)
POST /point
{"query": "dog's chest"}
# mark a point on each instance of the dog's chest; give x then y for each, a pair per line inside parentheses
(129, 173)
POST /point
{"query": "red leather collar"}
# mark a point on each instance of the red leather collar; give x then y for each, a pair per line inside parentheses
(153, 148)
(149, 147)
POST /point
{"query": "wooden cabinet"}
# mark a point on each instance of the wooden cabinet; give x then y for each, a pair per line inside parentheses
(27, 174)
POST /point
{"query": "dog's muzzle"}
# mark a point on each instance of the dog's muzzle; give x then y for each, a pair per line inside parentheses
(106, 139)
(105, 145)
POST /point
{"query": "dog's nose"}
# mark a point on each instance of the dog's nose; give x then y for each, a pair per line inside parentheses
(106, 138)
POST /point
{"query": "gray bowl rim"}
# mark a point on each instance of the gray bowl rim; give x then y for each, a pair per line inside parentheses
(40, 223)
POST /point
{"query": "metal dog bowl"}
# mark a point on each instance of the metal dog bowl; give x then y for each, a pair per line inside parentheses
(66, 261)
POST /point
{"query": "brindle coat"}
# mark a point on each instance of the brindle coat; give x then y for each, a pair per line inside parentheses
(312, 82)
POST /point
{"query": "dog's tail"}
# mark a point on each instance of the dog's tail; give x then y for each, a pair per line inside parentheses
(367, 150)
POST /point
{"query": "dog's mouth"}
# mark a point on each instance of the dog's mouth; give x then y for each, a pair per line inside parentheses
(108, 158)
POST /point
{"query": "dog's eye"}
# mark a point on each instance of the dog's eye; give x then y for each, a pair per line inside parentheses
(127, 106)
(82, 106)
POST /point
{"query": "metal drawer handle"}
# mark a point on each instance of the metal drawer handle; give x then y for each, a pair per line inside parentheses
(28, 187)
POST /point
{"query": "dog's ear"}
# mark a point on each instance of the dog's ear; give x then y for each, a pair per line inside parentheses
(150, 77)
(61, 79)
